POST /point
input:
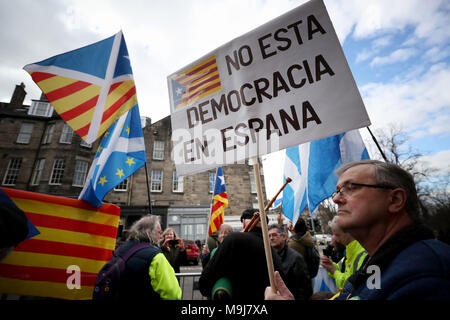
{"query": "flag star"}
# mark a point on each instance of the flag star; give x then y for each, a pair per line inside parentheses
(99, 149)
(103, 181)
(128, 130)
(106, 134)
(222, 180)
(120, 173)
(179, 91)
(130, 161)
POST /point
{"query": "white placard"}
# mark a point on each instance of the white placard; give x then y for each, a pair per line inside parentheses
(280, 85)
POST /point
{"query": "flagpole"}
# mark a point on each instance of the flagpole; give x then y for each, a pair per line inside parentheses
(265, 232)
(376, 142)
(210, 208)
(148, 190)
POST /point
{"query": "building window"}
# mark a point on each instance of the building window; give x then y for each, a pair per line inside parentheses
(252, 183)
(79, 176)
(48, 133)
(85, 144)
(123, 186)
(66, 135)
(177, 183)
(158, 150)
(12, 172)
(57, 171)
(156, 183)
(25, 133)
(40, 108)
(212, 177)
(37, 172)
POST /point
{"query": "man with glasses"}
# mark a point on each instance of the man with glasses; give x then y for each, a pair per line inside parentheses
(378, 205)
(292, 264)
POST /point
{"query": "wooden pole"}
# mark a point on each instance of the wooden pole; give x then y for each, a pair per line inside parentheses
(265, 232)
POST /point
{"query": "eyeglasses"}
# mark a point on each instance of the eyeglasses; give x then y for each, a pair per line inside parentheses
(349, 187)
(274, 235)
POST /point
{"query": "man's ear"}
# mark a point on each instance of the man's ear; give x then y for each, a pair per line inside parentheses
(397, 200)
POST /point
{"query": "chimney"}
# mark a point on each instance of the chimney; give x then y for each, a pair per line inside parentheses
(18, 96)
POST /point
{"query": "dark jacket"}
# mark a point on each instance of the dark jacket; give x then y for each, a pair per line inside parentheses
(136, 283)
(412, 265)
(175, 256)
(241, 259)
(299, 242)
(296, 273)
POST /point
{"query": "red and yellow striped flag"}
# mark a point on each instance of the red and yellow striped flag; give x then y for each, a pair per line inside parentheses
(219, 202)
(195, 83)
(90, 87)
(74, 243)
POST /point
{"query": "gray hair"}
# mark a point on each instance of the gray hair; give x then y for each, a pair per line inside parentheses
(143, 229)
(278, 227)
(392, 175)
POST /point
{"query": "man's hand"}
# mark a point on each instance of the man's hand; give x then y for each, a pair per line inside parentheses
(327, 264)
(282, 293)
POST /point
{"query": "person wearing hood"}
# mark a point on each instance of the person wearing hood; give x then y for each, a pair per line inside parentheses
(302, 242)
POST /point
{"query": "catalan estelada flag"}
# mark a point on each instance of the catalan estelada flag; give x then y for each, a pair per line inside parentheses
(75, 240)
(196, 82)
(219, 202)
(89, 87)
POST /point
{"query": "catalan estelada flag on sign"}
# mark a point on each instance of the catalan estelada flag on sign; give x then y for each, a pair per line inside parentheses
(219, 202)
(75, 240)
(89, 87)
(195, 83)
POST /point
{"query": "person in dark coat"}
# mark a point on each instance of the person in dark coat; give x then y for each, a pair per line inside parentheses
(378, 205)
(174, 252)
(293, 265)
(241, 259)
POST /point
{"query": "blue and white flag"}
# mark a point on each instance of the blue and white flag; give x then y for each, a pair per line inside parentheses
(311, 167)
(120, 154)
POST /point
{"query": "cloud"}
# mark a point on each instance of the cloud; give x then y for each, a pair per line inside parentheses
(439, 160)
(400, 55)
(418, 104)
(437, 53)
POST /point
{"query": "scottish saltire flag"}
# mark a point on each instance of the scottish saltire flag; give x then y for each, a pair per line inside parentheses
(323, 282)
(219, 202)
(196, 82)
(90, 87)
(73, 243)
(120, 154)
(311, 167)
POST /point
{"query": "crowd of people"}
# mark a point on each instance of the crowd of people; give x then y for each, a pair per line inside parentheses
(380, 249)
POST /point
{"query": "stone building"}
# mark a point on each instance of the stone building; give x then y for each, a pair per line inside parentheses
(40, 153)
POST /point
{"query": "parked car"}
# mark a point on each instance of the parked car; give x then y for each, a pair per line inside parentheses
(193, 252)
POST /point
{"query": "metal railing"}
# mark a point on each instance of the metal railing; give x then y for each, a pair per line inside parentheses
(189, 285)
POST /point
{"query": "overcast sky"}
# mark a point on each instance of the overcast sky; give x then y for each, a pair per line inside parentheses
(398, 52)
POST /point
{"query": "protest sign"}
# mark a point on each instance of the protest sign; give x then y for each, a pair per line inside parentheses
(282, 84)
